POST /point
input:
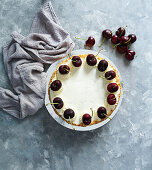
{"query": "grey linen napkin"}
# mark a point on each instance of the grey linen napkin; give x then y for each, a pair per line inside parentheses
(24, 59)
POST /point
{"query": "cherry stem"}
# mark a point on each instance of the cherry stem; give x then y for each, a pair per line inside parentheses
(71, 123)
(66, 69)
(71, 59)
(128, 41)
(123, 31)
(91, 111)
(57, 75)
(51, 103)
(107, 116)
(116, 45)
(105, 77)
(113, 98)
(114, 86)
(99, 51)
(102, 77)
(122, 43)
(70, 119)
(102, 42)
(108, 77)
(80, 38)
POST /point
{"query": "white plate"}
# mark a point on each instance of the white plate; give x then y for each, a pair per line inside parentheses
(50, 109)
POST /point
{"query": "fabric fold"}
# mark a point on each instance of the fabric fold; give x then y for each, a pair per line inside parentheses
(24, 60)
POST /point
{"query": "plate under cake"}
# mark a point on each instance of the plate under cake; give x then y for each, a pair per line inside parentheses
(84, 90)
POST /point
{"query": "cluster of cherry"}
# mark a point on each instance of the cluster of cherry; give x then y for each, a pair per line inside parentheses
(120, 41)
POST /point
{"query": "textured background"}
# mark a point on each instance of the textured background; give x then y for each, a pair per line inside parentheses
(125, 143)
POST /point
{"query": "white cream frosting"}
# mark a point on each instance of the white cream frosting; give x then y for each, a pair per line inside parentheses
(82, 89)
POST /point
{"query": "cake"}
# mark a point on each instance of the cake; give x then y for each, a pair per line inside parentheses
(84, 90)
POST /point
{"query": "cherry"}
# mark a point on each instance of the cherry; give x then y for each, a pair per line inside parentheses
(133, 37)
(56, 85)
(112, 87)
(122, 48)
(59, 101)
(131, 51)
(76, 61)
(120, 32)
(102, 112)
(91, 60)
(107, 34)
(102, 66)
(64, 69)
(86, 119)
(109, 75)
(130, 55)
(68, 113)
(115, 39)
(124, 40)
(90, 42)
(111, 99)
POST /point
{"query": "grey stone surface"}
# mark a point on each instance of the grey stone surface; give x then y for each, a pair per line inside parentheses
(125, 143)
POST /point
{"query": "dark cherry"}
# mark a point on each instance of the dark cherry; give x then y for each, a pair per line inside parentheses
(122, 48)
(124, 40)
(131, 51)
(64, 69)
(111, 99)
(112, 87)
(130, 55)
(115, 39)
(102, 112)
(76, 61)
(120, 32)
(56, 85)
(90, 42)
(109, 75)
(133, 37)
(102, 66)
(91, 60)
(59, 101)
(68, 113)
(86, 119)
(107, 34)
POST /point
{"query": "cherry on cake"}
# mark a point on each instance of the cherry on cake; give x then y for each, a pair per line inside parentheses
(84, 90)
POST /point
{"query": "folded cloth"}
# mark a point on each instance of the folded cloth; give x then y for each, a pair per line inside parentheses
(24, 59)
